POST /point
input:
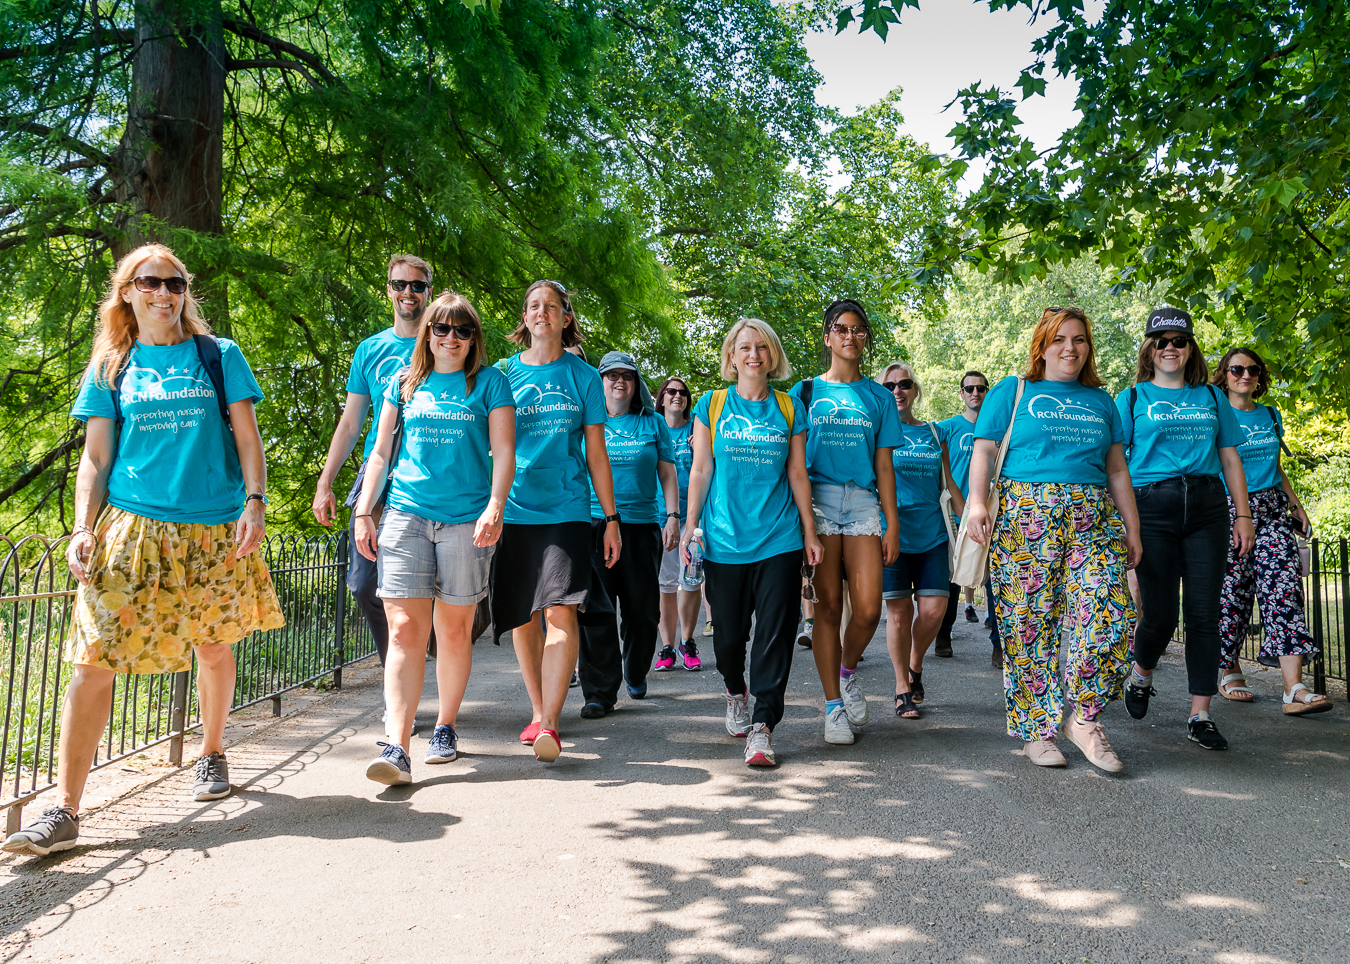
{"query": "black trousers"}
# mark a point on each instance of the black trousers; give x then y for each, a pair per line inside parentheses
(362, 579)
(771, 591)
(1184, 526)
(954, 598)
(609, 654)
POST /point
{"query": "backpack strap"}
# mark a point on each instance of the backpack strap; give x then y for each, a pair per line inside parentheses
(208, 352)
(115, 386)
(1279, 433)
(398, 423)
(715, 406)
(1134, 396)
(808, 391)
(787, 408)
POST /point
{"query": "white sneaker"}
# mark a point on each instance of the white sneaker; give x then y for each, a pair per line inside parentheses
(759, 748)
(854, 701)
(838, 730)
(738, 714)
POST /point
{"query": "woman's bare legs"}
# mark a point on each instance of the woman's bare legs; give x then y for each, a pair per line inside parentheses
(84, 714)
(215, 692)
(689, 612)
(454, 658)
(862, 565)
(547, 658)
(926, 625)
(670, 619)
(899, 617)
(405, 663)
(829, 606)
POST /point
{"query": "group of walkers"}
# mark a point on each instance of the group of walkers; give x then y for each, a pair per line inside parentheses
(567, 506)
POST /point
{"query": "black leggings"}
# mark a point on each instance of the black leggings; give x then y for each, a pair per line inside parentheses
(1184, 527)
(608, 654)
(770, 590)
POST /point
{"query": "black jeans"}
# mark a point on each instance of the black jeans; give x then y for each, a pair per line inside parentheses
(362, 580)
(607, 654)
(771, 591)
(1184, 526)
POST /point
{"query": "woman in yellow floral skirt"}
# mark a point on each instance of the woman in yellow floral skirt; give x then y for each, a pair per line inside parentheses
(169, 565)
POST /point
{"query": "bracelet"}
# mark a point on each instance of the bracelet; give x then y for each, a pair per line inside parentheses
(86, 529)
(365, 515)
(1243, 517)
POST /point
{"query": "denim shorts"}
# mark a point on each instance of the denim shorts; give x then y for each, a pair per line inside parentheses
(421, 559)
(917, 574)
(845, 510)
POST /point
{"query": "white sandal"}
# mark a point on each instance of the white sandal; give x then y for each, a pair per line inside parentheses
(1227, 691)
(1295, 705)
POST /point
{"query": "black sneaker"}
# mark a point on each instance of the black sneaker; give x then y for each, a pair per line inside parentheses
(943, 646)
(392, 766)
(56, 829)
(594, 711)
(212, 779)
(970, 615)
(1206, 734)
(576, 681)
(1137, 697)
(443, 745)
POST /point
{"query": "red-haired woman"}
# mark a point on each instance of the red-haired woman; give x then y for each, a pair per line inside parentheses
(1066, 532)
(169, 567)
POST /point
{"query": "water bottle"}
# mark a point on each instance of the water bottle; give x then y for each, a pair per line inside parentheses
(692, 574)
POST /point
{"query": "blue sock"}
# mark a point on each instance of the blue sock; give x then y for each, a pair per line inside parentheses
(831, 705)
(846, 673)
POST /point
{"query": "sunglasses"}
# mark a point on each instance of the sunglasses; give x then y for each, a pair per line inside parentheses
(462, 332)
(851, 331)
(621, 376)
(809, 590)
(418, 287)
(1180, 341)
(1237, 371)
(974, 389)
(681, 392)
(149, 283)
(904, 384)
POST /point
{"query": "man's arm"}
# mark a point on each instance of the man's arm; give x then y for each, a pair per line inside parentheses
(344, 440)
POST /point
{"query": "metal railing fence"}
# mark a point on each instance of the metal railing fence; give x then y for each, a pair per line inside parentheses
(1326, 595)
(323, 633)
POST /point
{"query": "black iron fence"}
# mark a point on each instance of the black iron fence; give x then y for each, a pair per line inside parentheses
(1326, 592)
(323, 633)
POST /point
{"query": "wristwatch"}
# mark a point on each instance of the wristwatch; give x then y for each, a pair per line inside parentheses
(672, 515)
(612, 518)
(256, 495)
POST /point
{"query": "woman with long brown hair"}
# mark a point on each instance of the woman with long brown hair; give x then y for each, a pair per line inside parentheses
(679, 603)
(168, 567)
(1065, 534)
(448, 415)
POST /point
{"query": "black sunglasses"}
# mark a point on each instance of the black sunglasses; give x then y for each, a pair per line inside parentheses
(682, 392)
(974, 389)
(809, 590)
(621, 375)
(149, 283)
(462, 332)
(904, 384)
(418, 287)
(1240, 370)
(1180, 341)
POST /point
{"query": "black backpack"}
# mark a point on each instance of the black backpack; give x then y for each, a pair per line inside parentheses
(208, 351)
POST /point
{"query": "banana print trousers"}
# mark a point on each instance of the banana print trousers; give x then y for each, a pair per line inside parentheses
(1058, 552)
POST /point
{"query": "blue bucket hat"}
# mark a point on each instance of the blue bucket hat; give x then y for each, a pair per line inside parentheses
(622, 361)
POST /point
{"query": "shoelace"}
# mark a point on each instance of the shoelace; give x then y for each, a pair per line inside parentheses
(203, 768)
(51, 817)
(1148, 691)
(690, 648)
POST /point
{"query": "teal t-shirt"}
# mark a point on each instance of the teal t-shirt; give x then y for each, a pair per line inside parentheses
(635, 444)
(1262, 428)
(918, 488)
(377, 359)
(1175, 431)
(848, 421)
(553, 403)
(1062, 432)
(682, 443)
(444, 470)
(959, 434)
(176, 460)
(748, 514)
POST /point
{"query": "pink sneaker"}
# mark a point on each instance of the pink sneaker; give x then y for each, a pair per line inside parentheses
(689, 652)
(665, 660)
(1091, 739)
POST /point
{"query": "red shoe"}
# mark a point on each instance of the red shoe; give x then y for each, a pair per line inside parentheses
(528, 734)
(547, 745)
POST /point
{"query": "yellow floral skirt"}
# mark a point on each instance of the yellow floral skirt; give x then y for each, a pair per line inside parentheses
(156, 589)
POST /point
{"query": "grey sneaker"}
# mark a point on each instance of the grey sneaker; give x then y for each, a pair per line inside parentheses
(837, 728)
(855, 703)
(442, 746)
(56, 829)
(390, 767)
(212, 779)
(759, 748)
(738, 714)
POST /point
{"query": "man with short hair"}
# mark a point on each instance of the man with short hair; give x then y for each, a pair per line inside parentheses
(959, 434)
(377, 359)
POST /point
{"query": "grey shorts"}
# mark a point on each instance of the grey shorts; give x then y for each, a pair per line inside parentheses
(669, 577)
(421, 559)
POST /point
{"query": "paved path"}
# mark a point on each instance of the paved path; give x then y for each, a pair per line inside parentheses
(650, 841)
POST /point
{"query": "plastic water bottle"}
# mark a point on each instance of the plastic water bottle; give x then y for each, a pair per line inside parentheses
(692, 574)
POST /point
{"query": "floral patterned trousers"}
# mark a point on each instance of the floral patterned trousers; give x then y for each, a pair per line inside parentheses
(1059, 550)
(1272, 575)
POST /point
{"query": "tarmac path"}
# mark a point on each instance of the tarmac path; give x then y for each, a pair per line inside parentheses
(649, 840)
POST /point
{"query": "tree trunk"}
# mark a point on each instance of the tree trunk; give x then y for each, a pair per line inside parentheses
(171, 153)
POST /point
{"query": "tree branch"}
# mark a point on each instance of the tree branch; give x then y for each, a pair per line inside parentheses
(74, 45)
(295, 65)
(74, 145)
(58, 232)
(249, 32)
(42, 465)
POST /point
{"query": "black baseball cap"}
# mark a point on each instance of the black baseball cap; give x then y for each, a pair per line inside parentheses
(1168, 319)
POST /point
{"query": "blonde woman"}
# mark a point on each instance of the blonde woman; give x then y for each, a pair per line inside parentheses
(749, 492)
(441, 522)
(169, 567)
(915, 585)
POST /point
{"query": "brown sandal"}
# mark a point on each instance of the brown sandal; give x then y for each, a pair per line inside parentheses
(1295, 705)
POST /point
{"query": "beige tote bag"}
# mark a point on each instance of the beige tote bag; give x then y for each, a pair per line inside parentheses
(970, 560)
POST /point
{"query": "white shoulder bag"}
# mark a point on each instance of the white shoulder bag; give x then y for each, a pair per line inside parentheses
(970, 560)
(945, 500)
